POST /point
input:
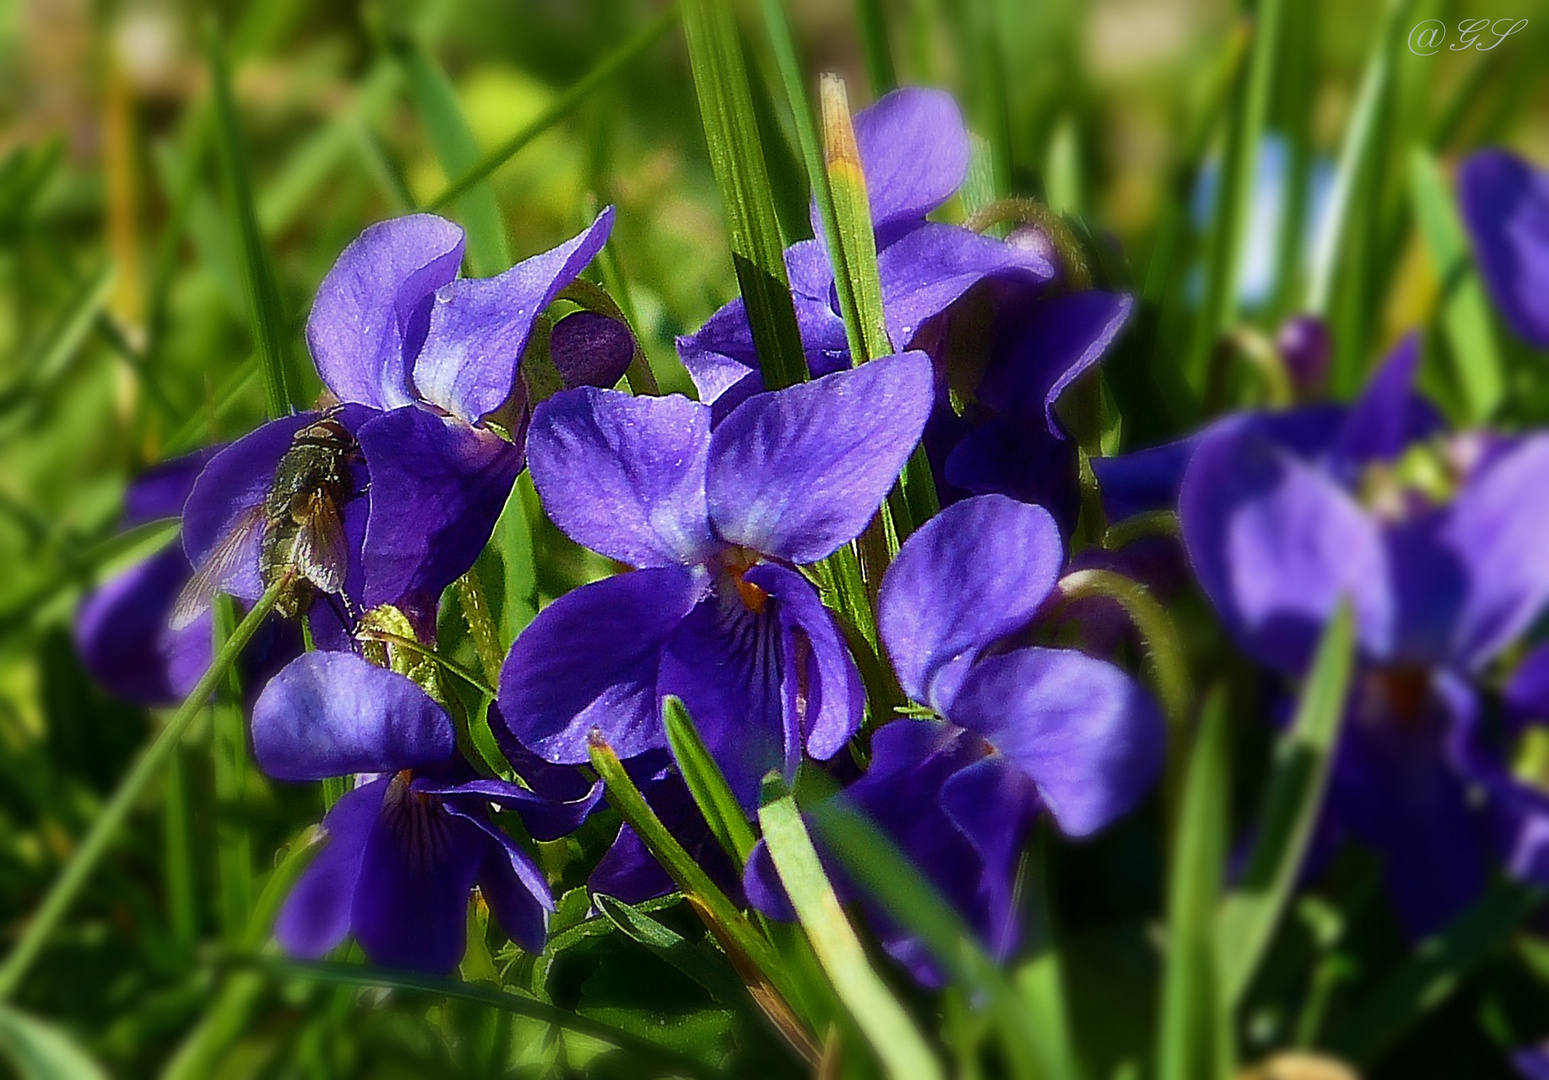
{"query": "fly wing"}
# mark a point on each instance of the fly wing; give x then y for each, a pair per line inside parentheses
(321, 553)
(219, 567)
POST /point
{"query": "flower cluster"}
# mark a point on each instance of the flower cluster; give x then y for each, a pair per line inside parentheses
(980, 694)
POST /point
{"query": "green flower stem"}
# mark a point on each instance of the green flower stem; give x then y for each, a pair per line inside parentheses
(116, 812)
(481, 628)
(408, 644)
(228, 743)
(1165, 659)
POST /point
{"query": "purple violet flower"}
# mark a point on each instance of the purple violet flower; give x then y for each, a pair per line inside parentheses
(1505, 205)
(1284, 517)
(714, 515)
(1024, 728)
(406, 845)
(420, 359)
(1020, 349)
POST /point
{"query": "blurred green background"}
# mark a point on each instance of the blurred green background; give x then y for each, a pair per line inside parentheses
(125, 323)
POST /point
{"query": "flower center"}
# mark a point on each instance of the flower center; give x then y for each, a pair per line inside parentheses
(736, 562)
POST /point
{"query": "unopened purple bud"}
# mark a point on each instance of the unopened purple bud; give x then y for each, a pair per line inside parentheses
(1305, 346)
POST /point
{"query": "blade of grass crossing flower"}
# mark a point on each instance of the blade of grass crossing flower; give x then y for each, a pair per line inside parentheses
(1193, 1022)
(281, 384)
(892, 1034)
(707, 783)
(435, 99)
(741, 175)
(1233, 210)
(561, 107)
(1291, 806)
(1465, 312)
(177, 838)
(874, 863)
(40, 1051)
(113, 815)
(1434, 971)
(426, 986)
(228, 743)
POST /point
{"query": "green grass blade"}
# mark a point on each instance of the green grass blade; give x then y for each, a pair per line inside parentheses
(518, 1004)
(872, 19)
(233, 844)
(69, 335)
(741, 175)
(1433, 972)
(1361, 144)
(892, 1034)
(874, 863)
(281, 385)
(561, 107)
(1465, 312)
(1291, 807)
(707, 783)
(1233, 210)
(40, 1051)
(435, 99)
(113, 815)
(1193, 1022)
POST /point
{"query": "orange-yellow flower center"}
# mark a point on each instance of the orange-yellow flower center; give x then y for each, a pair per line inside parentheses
(738, 561)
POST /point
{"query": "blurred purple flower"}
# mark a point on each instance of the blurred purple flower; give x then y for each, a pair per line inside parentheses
(420, 359)
(121, 629)
(405, 847)
(1028, 340)
(1505, 204)
(1532, 1062)
(714, 514)
(1283, 517)
(1024, 729)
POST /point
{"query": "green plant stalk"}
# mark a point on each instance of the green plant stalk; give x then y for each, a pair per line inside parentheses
(1291, 806)
(116, 812)
(742, 177)
(560, 108)
(1234, 201)
(640, 377)
(874, 862)
(177, 817)
(1193, 1021)
(480, 621)
(872, 20)
(281, 385)
(892, 1034)
(707, 783)
(228, 744)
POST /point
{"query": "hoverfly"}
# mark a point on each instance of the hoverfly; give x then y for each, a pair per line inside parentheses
(300, 531)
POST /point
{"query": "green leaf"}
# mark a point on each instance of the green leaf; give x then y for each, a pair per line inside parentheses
(871, 17)
(874, 863)
(1291, 807)
(1465, 311)
(40, 1051)
(518, 1004)
(892, 1034)
(1194, 1029)
(707, 783)
(561, 107)
(1433, 972)
(266, 314)
(706, 968)
(112, 816)
(737, 160)
(435, 99)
